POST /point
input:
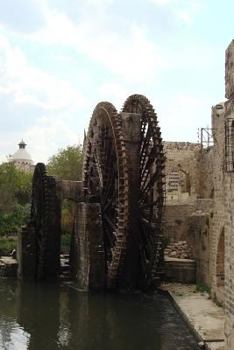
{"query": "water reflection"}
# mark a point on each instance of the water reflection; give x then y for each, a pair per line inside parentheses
(36, 317)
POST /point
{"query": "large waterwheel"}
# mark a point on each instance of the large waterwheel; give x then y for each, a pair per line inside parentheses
(148, 189)
(105, 180)
(123, 171)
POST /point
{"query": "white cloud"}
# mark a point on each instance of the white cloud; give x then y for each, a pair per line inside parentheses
(185, 16)
(131, 56)
(30, 85)
(162, 2)
(97, 3)
(23, 15)
(43, 137)
(185, 113)
(123, 57)
(40, 92)
(46, 134)
(184, 10)
(114, 92)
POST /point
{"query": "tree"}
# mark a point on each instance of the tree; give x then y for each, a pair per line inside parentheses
(15, 194)
(11, 222)
(67, 163)
(15, 187)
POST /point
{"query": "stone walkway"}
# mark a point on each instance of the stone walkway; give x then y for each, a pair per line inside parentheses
(202, 314)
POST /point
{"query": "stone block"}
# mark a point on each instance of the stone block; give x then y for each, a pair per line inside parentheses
(89, 263)
(180, 270)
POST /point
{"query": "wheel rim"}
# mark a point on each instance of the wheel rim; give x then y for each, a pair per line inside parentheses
(151, 194)
(105, 180)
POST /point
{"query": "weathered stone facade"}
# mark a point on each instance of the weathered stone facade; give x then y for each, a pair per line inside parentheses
(181, 171)
(200, 202)
(183, 217)
(226, 241)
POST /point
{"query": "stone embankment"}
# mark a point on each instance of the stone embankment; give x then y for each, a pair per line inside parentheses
(204, 317)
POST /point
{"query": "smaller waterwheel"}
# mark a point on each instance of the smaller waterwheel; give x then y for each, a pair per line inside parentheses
(45, 218)
(149, 189)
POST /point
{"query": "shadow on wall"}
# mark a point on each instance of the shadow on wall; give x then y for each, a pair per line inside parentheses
(220, 276)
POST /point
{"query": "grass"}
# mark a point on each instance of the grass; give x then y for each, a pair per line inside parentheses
(202, 288)
(7, 244)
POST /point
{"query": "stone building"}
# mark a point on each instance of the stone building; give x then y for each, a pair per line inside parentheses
(200, 202)
(181, 187)
(21, 158)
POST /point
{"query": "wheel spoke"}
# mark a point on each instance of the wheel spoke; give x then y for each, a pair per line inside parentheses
(108, 150)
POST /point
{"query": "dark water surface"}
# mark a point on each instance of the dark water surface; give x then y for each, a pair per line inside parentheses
(41, 317)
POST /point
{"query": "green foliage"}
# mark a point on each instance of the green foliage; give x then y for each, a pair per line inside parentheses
(67, 225)
(15, 187)
(200, 287)
(67, 217)
(7, 245)
(67, 163)
(65, 243)
(11, 222)
(15, 194)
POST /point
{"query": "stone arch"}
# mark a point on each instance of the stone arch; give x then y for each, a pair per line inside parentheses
(220, 259)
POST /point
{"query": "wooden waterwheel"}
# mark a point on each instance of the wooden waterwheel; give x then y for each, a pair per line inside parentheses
(105, 180)
(149, 187)
(126, 178)
(45, 218)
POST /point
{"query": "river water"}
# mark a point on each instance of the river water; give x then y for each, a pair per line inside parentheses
(51, 317)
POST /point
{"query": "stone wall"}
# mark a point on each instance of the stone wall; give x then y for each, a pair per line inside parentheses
(199, 235)
(218, 219)
(188, 205)
(201, 211)
(181, 171)
(226, 241)
(176, 221)
(222, 263)
(200, 202)
(205, 173)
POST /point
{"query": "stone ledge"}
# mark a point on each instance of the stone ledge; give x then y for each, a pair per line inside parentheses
(203, 316)
(180, 270)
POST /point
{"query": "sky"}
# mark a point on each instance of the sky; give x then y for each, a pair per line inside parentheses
(59, 58)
